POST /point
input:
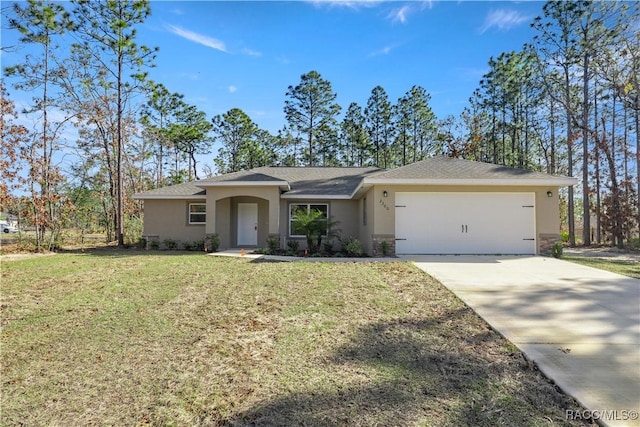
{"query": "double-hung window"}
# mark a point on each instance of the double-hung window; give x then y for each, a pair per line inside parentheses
(197, 213)
(295, 228)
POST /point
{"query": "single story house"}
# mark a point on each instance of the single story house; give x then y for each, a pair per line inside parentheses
(439, 205)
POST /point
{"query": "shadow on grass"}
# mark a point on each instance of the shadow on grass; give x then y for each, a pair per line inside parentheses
(424, 375)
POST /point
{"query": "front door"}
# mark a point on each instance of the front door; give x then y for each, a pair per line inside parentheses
(247, 224)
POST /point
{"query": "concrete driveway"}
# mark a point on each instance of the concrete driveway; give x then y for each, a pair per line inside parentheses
(580, 325)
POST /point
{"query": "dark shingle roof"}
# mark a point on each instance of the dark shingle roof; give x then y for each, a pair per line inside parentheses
(303, 181)
(339, 182)
(181, 191)
(451, 169)
(252, 175)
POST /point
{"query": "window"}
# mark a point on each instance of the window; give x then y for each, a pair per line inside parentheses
(197, 213)
(295, 230)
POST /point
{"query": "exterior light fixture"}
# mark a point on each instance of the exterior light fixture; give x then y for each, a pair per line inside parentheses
(549, 193)
(384, 193)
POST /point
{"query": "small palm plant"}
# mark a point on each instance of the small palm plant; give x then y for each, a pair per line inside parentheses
(315, 225)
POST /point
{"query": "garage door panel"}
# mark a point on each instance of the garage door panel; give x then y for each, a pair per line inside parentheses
(465, 223)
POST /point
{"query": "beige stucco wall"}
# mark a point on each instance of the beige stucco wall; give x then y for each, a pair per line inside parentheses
(223, 222)
(365, 233)
(547, 208)
(169, 219)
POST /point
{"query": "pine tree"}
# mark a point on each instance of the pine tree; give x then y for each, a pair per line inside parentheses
(310, 109)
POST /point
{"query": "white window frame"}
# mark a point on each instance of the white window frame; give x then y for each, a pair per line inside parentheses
(308, 209)
(189, 213)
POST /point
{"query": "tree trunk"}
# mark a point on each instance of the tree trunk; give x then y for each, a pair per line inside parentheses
(586, 206)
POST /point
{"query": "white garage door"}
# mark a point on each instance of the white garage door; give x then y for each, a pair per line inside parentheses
(465, 223)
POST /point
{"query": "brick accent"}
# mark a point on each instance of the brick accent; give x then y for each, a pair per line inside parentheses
(546, 241)
(390, 240)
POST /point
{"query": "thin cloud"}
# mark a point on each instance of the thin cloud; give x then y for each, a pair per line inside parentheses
(384, 51)
(198, 38)
(283, 60)
(351, 4)
(251, 52)
(232, 89)
(503, 19)
(401, 14)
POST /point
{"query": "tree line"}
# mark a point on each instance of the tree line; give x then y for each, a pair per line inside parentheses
(567, 103)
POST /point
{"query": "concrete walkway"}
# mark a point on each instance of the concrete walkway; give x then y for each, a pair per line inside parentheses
(580, 325)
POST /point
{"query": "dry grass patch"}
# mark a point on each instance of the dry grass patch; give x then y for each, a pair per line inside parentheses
(128, 338)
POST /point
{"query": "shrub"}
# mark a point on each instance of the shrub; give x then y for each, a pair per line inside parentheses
(384, 247)
(294, 246)
(556, 250)
(327, 247)
(170, 244)
(564, 235)
(214, 242)
(272, 244)
(154, 244)
(633, 243)
(353, 247)
(198, 245)
(132, 229)
(142, 242)
(187, 246)
(314, 225)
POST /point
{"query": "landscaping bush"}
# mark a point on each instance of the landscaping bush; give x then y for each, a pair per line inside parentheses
(188, 246)
(198, 246)
(385, 247)
(154, 244)
(170, 244)
(294, 247)
(214, 242)
(327, 248)
(353, 247)
(556, 250)
(272, 245)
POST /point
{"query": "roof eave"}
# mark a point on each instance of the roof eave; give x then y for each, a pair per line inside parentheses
(316, 196)
(282, 184)
(169, 197)
(552, 181)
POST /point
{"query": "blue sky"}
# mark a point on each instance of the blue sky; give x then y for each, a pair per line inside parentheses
(222, 55)
(245, 54)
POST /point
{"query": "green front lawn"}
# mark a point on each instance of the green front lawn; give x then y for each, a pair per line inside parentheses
(132, 338)
(626, 268)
